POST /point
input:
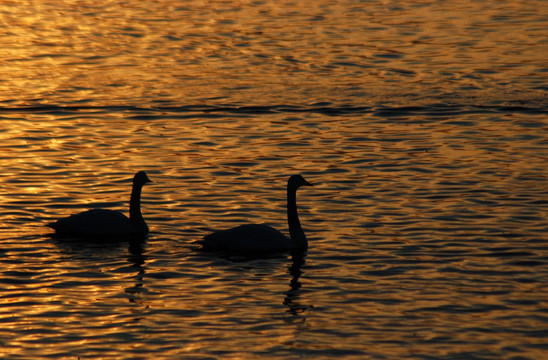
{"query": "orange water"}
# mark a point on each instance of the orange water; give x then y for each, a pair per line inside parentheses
(423, 128)
(262, 52)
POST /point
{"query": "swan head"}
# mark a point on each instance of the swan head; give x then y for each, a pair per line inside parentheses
(297, 181)
(141, 178)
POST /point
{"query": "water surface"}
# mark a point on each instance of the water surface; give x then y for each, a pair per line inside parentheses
(422, 126)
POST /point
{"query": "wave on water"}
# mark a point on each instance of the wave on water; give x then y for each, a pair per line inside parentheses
(317, 108)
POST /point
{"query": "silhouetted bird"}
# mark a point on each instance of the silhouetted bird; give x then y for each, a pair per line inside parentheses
(102, 222)
(255, 238)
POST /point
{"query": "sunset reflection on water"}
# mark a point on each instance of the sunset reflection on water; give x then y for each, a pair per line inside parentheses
(422, 127)
(259, 53)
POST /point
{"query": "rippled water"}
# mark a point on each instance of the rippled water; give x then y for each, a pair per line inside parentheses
(422, 126)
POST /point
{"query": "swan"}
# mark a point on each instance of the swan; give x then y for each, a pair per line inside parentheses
(103, 222)
(258, 238)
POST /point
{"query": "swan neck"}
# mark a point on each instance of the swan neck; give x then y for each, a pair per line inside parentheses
(135, 204)
(295, 230)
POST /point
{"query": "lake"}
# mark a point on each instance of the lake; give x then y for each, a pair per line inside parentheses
(422, 126)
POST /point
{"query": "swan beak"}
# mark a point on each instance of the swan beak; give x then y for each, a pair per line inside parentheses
(148, 180)
(306, 183)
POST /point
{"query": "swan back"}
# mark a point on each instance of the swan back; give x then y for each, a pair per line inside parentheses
(96, 222)
(249, 238)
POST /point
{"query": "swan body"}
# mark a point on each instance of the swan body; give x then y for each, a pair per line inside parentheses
(258, 238)
(103, 222)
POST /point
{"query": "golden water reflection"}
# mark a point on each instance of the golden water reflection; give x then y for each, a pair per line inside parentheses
(415, 228)
(426, 223)
(258, 53)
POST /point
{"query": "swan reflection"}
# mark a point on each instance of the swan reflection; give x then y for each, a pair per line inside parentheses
(137, 260)
(292, 296)
(89, 255)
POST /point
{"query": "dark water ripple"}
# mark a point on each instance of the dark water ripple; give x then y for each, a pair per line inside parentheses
(153, 112)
